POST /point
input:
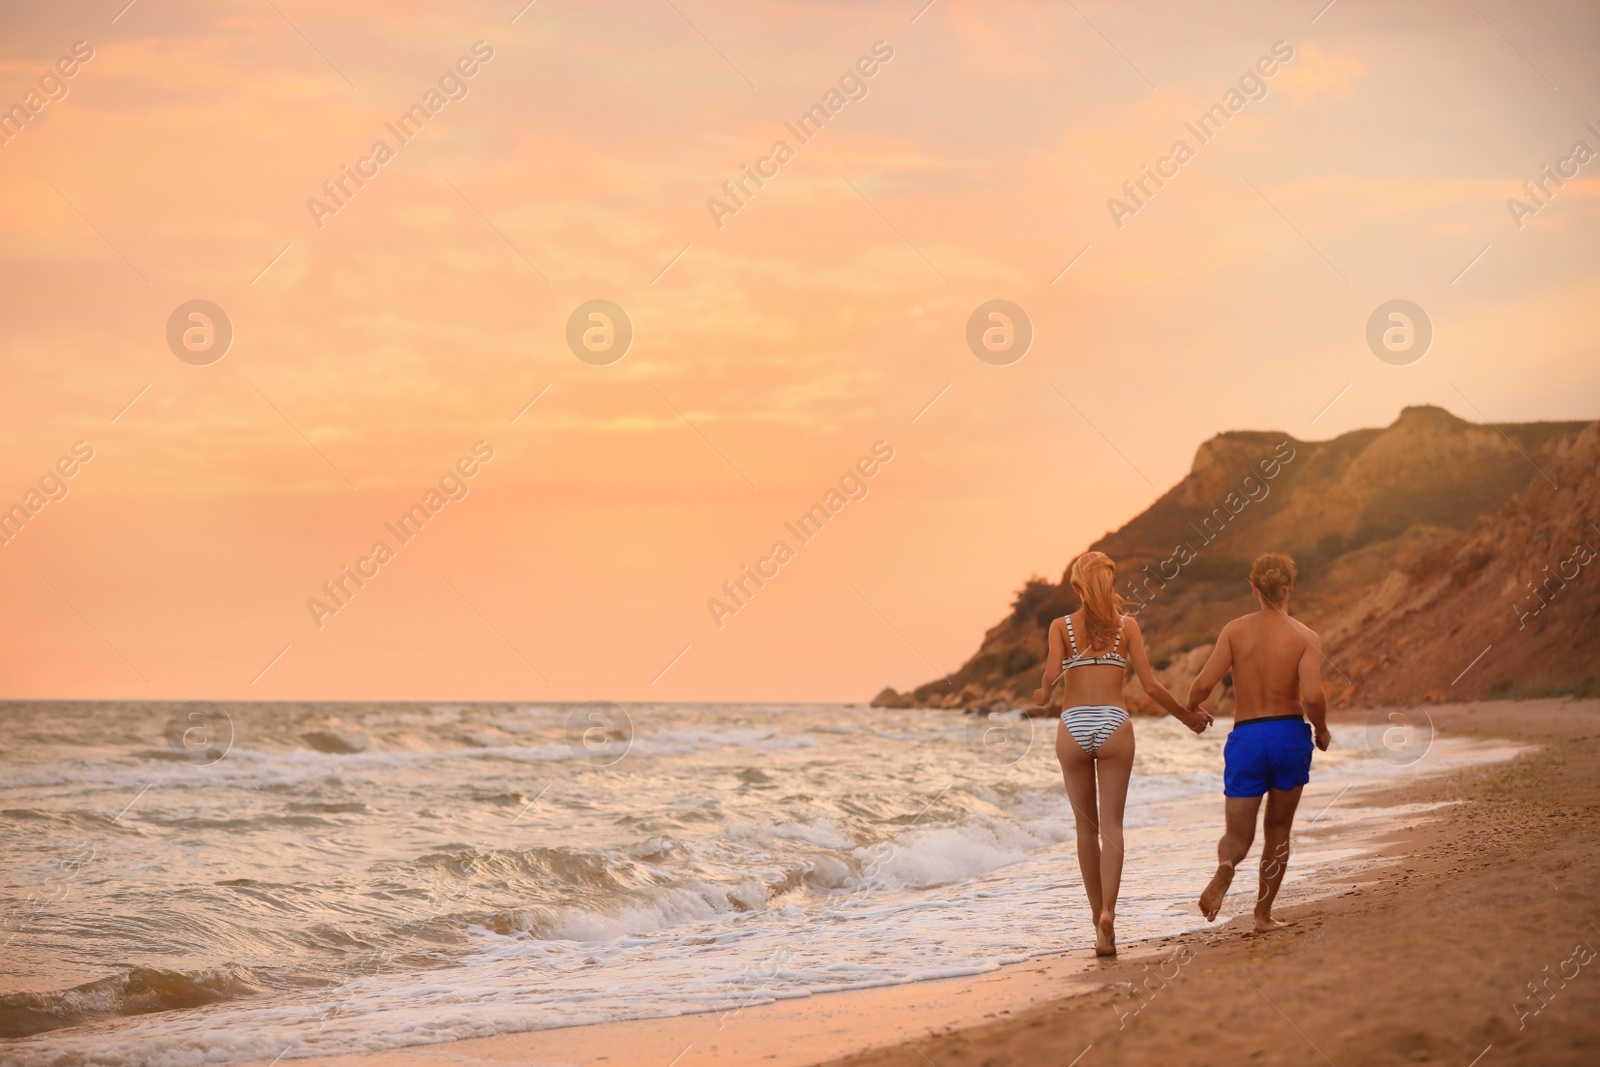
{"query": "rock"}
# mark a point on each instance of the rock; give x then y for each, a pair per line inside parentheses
(1420, 545)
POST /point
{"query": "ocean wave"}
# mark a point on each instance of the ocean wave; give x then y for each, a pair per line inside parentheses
(938, 855)
(824, 832)
(572, 868)
(26, 813)
(301, 755)
(137, 991)
(337, 742)
(629, 914)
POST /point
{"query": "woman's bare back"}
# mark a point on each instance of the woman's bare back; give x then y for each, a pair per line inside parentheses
(1093, 684)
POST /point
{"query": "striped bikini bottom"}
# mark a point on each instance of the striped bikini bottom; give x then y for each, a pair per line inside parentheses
(1091, 724)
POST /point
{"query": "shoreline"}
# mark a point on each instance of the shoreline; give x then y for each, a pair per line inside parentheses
(904, 1023)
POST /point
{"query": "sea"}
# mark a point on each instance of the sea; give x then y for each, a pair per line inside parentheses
(211, 883)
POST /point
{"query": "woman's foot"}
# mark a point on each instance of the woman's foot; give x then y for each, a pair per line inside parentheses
(1211, 899)
(1105, 936)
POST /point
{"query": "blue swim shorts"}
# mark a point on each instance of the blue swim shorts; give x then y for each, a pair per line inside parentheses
(1272, 752)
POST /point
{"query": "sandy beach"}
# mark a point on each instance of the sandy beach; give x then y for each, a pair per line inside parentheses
(1478, 881)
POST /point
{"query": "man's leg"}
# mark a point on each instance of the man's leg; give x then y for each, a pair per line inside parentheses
(1281, 805)
(1231, 851)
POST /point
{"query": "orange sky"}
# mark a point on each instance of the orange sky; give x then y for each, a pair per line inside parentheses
(821, 317)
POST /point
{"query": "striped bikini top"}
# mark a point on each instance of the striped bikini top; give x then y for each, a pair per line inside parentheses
(1077, 659)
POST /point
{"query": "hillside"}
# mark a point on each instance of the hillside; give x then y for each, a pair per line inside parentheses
(1419, 546)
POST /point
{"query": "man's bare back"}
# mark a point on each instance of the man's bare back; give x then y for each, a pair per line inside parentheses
(1275, 660)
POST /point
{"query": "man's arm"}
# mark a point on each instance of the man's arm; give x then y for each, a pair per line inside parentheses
(1217, 666)
(1311, 695)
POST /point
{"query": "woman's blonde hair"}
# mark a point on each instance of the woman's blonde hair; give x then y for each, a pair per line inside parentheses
(1092, 576)
(1272, 575)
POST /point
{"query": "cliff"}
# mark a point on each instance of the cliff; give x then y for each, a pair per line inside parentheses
(1419, 547)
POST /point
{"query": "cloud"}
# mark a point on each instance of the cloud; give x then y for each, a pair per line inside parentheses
(1315, 71)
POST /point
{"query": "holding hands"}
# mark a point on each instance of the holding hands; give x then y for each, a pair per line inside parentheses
(1195, 718)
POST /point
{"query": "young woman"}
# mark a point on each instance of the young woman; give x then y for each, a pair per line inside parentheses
(1091, 648)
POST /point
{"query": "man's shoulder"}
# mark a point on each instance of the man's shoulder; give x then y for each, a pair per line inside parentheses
(1307, 632)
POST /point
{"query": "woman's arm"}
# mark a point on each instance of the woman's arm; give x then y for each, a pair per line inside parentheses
(1052, 663)
(1196, 721)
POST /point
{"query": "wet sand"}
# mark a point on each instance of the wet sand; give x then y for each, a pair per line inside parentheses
(1469, 885)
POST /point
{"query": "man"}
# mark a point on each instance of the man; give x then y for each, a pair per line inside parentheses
(1277, 685)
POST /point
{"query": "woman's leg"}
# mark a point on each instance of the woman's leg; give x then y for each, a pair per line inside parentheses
(1114, 766)
(1077, 769)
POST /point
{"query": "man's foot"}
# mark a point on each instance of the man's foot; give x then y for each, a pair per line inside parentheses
(1105, 936)
(1211, 899)
(1265, 924)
